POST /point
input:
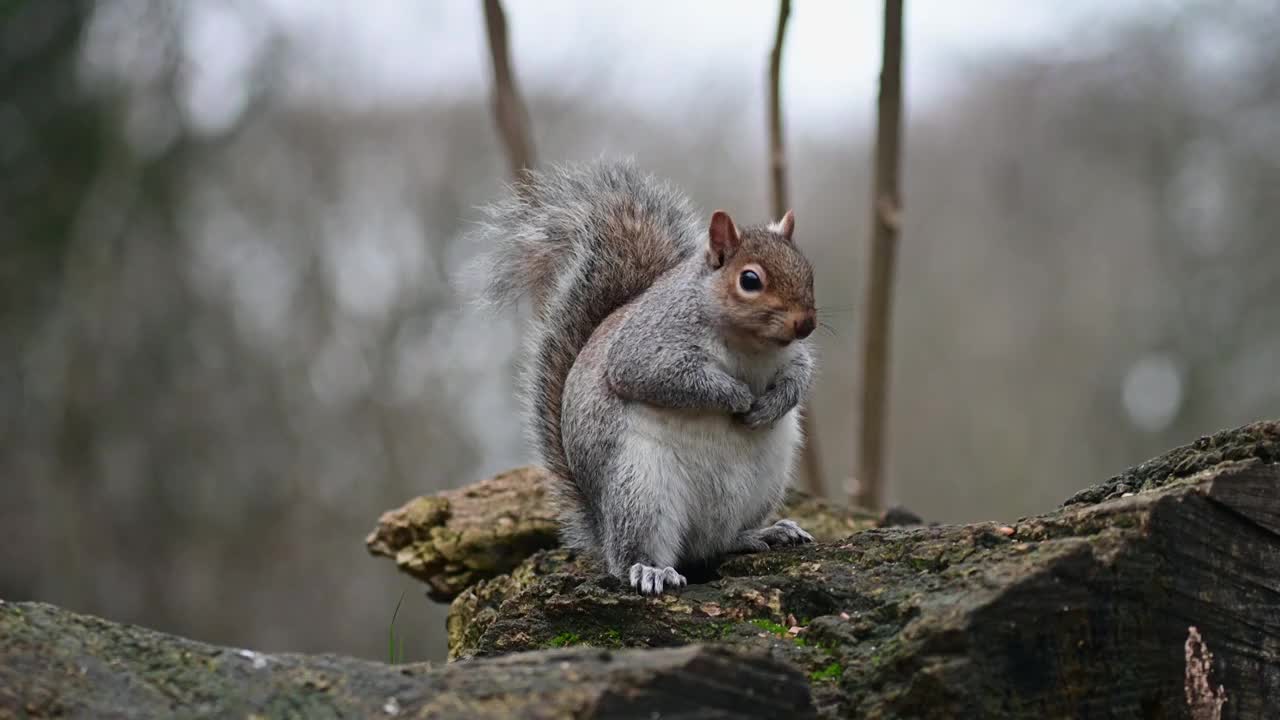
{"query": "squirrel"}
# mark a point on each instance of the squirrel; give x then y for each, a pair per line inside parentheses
(665, 366)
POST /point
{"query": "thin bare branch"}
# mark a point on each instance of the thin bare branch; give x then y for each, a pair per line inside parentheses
(777, 150)
(886, 212)
(508, 107)
(810, 459)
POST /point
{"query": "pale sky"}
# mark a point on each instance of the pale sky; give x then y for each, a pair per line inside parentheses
(369, 53)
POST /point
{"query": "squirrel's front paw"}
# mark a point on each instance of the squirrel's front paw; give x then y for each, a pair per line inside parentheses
(649, 580)
(785, 532)
(765, 411)
(757, 417)
(740, 399)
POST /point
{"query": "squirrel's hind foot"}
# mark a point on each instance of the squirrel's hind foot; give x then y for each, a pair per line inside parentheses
(649, 580)
(783, 533)
(779, 534)
(749, 541)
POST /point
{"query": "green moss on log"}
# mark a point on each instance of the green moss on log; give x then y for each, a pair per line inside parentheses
(454, 540)
(1080, 612)
(54, 663)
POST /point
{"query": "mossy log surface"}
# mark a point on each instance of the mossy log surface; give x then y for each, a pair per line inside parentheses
(54, 663)
(1082, 612)
(459, 537)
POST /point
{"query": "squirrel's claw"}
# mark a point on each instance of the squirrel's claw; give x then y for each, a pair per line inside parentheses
(765, 411)
(756, 418)
(779, 534)
(649, 580)
(785, 532)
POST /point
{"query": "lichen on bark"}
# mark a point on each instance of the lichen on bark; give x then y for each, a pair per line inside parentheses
(54, 663)
(1080, 612)
(1077, 612)
(460, 537)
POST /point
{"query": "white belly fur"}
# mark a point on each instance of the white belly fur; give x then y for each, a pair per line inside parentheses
(710, 474)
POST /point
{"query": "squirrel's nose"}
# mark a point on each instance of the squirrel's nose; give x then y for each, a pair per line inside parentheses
(804, 326)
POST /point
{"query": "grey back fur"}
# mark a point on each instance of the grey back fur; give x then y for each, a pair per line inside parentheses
(580, 242)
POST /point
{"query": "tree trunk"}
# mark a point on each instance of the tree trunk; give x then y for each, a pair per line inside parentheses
(886, 208)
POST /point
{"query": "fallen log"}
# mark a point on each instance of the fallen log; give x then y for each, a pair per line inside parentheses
(456, 538)
(1088, 611)
(54, 663)
(1153, 594)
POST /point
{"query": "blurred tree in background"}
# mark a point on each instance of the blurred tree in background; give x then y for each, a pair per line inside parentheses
(230, 341)
(53, 139)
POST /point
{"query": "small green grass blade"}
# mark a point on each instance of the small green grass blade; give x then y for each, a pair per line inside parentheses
(391, 635)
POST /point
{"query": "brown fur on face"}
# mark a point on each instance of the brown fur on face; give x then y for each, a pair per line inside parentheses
(784, 310)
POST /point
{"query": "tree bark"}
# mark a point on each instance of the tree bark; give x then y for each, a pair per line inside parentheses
(886, 208)
(1153, 594)
(455, 539)
(1087, 611)
(54, 663)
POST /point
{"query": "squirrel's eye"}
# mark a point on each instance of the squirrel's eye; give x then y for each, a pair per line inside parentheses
(749, 281)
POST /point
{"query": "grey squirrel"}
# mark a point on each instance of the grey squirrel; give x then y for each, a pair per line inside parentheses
(665, 364)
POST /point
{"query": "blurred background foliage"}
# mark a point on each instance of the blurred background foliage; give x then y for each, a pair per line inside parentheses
(229, 338)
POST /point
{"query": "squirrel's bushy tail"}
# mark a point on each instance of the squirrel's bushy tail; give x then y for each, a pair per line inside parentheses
(580, 242)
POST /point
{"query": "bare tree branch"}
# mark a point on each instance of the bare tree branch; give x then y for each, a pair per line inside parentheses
(886, 210)
(810, 459)
(777, 151)
(508, 107)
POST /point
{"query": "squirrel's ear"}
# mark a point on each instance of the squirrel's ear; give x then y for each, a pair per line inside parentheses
(723, 238)
(785, 226)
